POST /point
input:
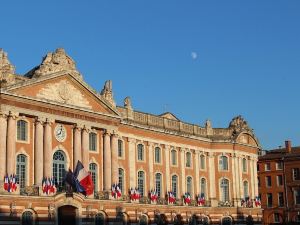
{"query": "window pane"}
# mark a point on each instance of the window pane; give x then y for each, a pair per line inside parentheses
(158, 184)
(93, 171)
(22, 130)
(141, 182)
(121, 179)
(59, 167)
(225, 190)
(203, 188)
(93, 141)
(202, 162)
(189, 185)
(120, 148)
(157, 155)
(173, 157)
(21, 170)
(140, 152)
(188, 159)
(174, 185)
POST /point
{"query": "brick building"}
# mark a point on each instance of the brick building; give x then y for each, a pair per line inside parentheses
(50, 119)
(279, 185)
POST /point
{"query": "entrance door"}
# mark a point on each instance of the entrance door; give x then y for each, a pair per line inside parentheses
(67, 215)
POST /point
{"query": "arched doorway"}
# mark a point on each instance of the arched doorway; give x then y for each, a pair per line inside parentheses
(67, 215)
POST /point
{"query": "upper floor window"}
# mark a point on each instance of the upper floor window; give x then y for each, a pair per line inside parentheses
(173, 157)
(22, 130)
(120, 148)
(269, 200)
(257, 167)
(158, 184)
(267, 167)
(140, 152)
(202, 162)
(21, 170)
(244, 165)
(188, 160)
(93, 141)
(268, 181)
(258, 181)
(27, 218)
(223, 162)
(296, 174)
(174, 185)
(189, 185)
(141, 182)
(279, 180)
(94, 174)
(157, 155)
(279, 165)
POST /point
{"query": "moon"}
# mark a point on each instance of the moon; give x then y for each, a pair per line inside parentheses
(194, 55)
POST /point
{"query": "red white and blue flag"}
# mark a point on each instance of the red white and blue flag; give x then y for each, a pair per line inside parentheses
(83, 180)
(48, 186)
(257, 201)
(6, 183)
(134, 194)
(187, 198)
(10, 183)
(201, 199)
(171, 197)
(153, 195)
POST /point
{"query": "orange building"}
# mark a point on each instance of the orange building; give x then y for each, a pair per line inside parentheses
(50, 119)
(279, 185)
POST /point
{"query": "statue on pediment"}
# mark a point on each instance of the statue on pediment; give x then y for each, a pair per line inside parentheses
(107, 92)
(7, 70)
(127, 103)
(239, 124)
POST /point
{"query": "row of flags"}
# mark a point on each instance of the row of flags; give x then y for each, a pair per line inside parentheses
(134, 194)
(10, 183)
(48, 185)
(116, 191)
(247, 202)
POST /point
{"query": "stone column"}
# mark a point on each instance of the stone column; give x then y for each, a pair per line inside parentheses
(114, 158)
(241, 176)
(3, 130)
(85, 147)
(167, 177)
(183, 178)
(48, 148)
(237, 178)
(212, 180)
(38, 151)
(76, 145)
(11, 143)
(255, 176)
(234, 190)
(197, 176)
(150, 164)
(107, 162)
(131, 161)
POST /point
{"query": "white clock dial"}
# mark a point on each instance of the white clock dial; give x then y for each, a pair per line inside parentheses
(60, 133)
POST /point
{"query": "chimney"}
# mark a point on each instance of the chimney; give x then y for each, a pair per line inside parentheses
(288, 146)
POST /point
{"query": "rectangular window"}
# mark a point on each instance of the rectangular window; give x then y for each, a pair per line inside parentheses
(296, 174)
(279, 180)
(268, 181)
(269, 200)
(120, 148)
(93, 142)
(258, 181)
(297, 197)
(279, 165)
(280, 199)
(267, 167)
(276, 218)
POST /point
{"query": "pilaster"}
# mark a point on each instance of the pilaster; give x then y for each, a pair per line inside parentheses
(85, 147)
(114, 157)
(212, 179)
(150, 164)
(107, 162)
(11, 143)
(131, 161)
(77, 144)
(3, 135)
(48, 147)
(167, 163)
(38, 151)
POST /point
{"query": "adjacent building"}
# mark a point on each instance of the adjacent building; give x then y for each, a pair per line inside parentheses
(279, 185)
(50, 119)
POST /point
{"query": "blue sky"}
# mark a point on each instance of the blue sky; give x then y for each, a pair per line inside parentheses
(248, 55)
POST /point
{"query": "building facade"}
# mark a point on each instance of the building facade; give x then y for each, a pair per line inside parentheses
(279, 185)
(50, 119)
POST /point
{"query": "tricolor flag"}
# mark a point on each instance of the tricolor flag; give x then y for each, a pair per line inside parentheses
(201, 199)
(153, 195)
(187, 198)
(83, 180)
(113, 190)
(6, 183)
(257, 201)
(171, 197)
(118, 191)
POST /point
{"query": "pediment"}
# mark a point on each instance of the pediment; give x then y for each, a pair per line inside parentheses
(66, 90)
(169, 116)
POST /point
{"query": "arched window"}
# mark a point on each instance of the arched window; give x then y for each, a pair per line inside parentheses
(121, 179)
(226, 221)
(59, 167)
(140, 152)
(93, 141)
(244, 165)
(27, 218)
(158, 183)
(174, 157)
(205, 220)
(143, 220)
(99, 219)
(202, 162)
(188, 160)
(224, 187)
(141, 182)
(246, 190)
(175, 184)
(189, 185)
(203, 187)
(22, 132)
(157, 155)
(120, 148)
(94, 173)
(21, 170)
(223, 162)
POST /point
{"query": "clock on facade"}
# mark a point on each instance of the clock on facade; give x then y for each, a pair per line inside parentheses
(60, 133)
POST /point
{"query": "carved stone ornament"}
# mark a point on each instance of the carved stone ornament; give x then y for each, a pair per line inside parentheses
(238, 124)
(7, 70)
(64, 92)
(127, 103)
(107, 92)
(55, 62)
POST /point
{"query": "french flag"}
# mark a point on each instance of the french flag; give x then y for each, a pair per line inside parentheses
(83, 180)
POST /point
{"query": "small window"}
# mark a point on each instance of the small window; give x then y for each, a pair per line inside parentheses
(269, 200)
(267, 167)
(296, 174)
(268, 181)
(22, 132)
(188, 162)
(276, 218)
(297, 196)
(189, 185)
(140, 151)
(244, 165)
(141, 182)
(279, 165)
(157, 155)
(27, 218)
(202, 162)
(93, 141)
(223, 163)
(173, 157)
(120, 148)
(279, 180)
(280, 199)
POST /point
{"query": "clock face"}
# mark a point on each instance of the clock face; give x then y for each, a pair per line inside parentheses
(60, 133)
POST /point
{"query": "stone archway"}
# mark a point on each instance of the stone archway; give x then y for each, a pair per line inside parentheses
(67, 214)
